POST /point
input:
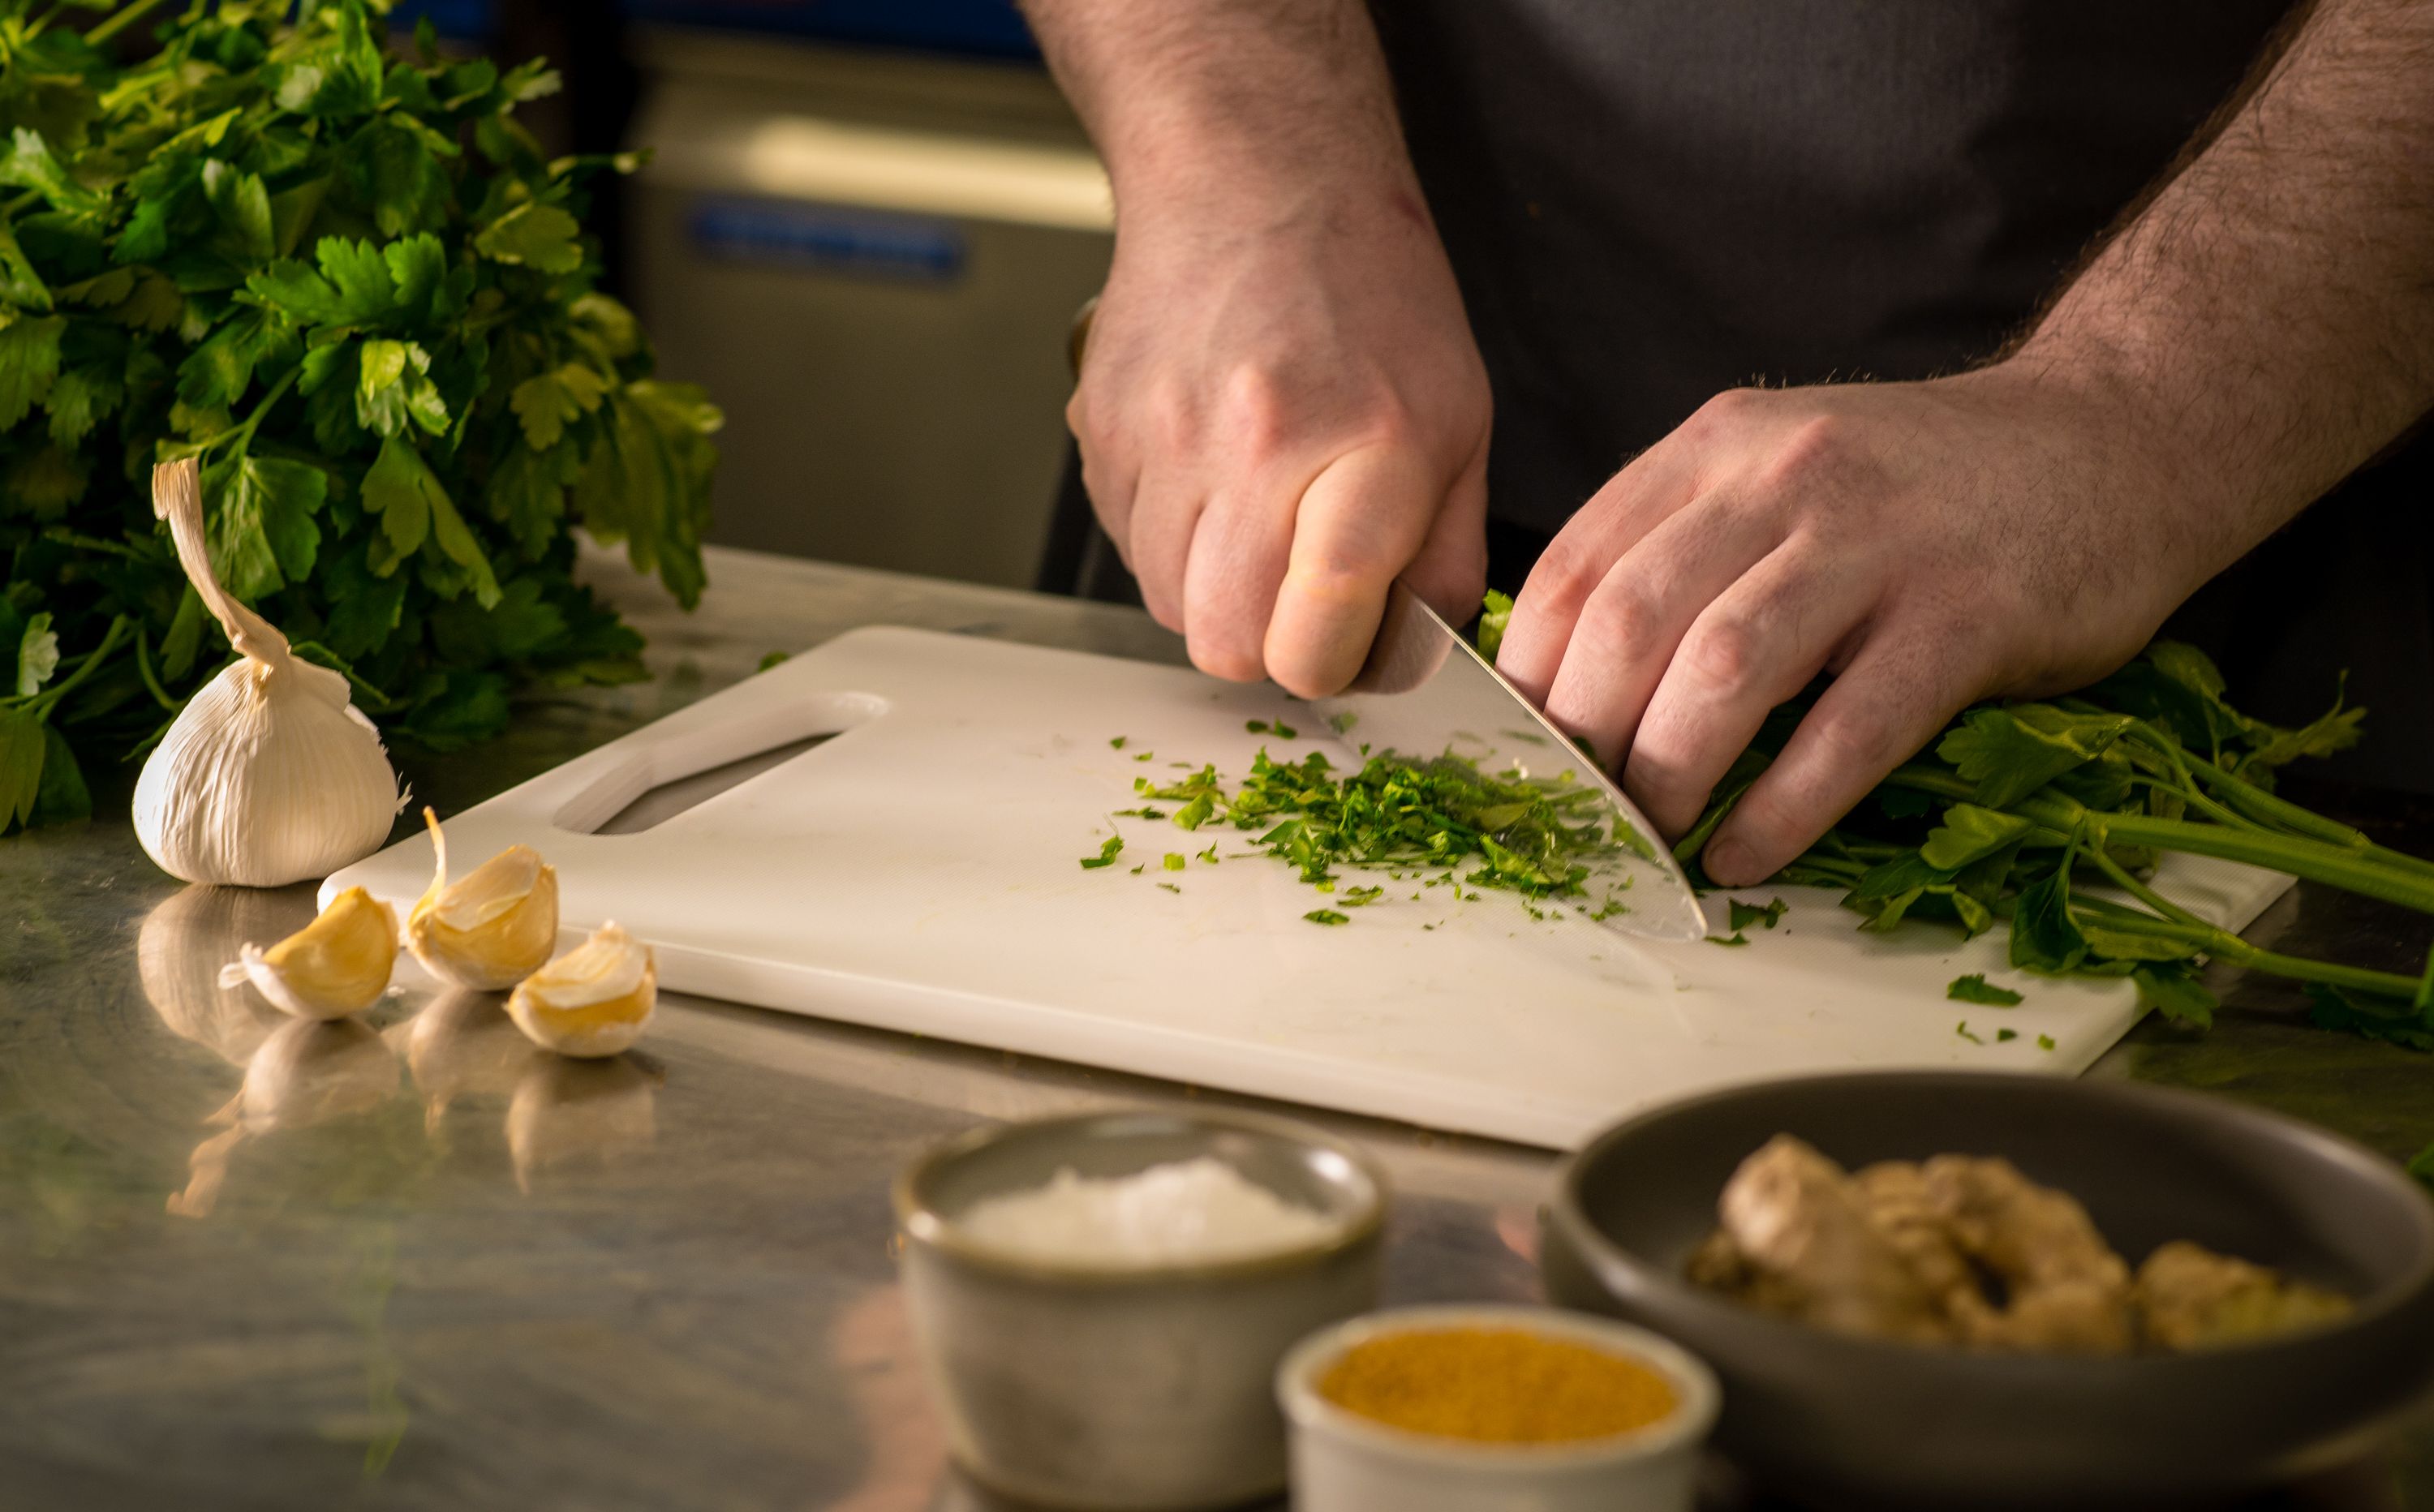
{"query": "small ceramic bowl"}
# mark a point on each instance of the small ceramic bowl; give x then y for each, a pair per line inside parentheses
(1343, 1462)
(1089, 1386)
(1858, 1422)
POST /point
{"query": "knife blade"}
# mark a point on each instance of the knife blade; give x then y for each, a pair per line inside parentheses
(1423, 692)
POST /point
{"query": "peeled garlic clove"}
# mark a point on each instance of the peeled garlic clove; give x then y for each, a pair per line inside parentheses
(269, 775)
(591, 1001)
(492, 927)
(336, 965)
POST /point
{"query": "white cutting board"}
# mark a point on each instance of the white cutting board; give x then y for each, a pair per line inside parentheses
(920, 873)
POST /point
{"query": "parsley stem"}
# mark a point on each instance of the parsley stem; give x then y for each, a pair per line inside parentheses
(2120, 877)
(42, 704)
(243, 434)
(103, 30)
(2301, 856)
(151, 678)
(2228, 948)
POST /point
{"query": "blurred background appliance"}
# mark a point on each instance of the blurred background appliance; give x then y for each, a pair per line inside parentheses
(865, 226)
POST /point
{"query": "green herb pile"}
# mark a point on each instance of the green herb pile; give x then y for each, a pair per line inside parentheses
(2020, 809)
(357, 289)
(1443, 823)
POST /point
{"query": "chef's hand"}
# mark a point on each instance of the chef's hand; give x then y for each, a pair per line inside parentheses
(1928, 544)
(1282, 409)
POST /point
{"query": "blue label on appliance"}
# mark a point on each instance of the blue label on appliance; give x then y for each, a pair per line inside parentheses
(828, 239)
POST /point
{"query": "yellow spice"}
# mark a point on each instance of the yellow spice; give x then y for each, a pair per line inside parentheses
(1503, 1386)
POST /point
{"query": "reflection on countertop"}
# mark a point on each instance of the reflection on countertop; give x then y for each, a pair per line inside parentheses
(416, 1264)
(451, 1049)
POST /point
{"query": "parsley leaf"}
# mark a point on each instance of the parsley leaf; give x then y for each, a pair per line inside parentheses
(1327, 916)
(1974, 988)
(1108, 854)
(1741, 916)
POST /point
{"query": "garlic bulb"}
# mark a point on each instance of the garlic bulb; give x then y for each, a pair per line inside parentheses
(336, 965)
(492, 928)
(592, 1001)
(270, 775)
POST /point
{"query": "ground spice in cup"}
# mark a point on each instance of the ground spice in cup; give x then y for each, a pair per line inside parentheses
(1501, 1386)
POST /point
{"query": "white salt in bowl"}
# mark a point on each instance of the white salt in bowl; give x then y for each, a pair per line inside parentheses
(1106, 1380)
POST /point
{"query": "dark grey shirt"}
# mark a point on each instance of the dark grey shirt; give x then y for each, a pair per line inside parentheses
(1647, 201)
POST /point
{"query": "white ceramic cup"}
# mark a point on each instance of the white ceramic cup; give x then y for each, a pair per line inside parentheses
(1343, 1462)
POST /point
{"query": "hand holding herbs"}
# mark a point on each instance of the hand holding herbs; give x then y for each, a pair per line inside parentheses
(2018, 811)
(354, 291)
(2045, 818)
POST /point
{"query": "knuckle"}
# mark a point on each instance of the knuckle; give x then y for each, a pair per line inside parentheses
(1726, 651)
(1170, 417)
(1621, 616)
(1724, 410)
(1258, 415)
(1566, 573)
(1854, 738)
(1818, 447)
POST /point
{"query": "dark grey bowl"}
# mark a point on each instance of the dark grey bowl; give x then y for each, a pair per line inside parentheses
(1857, 1422)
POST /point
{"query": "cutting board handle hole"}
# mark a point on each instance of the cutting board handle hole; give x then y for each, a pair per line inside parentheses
(686, 771)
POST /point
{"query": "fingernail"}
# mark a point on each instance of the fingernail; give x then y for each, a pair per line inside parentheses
(1729, 863)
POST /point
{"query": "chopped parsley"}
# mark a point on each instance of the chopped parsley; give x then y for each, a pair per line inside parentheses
(1172, 888)
(1962, 1029)
(1118, 743)
(1444, 816)
(1974, 988)
(1106, 855)
(1211, 854)
(1741, 916)
(1736, 937)
(1327, 916)
(1175, 860)
(2001, 1035)
(2045, 1042)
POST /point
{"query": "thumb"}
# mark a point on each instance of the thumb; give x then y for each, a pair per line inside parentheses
(1361, 520)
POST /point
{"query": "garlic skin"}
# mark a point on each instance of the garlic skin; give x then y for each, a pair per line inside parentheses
(338, 965)
(595, 1000)
(269, 775)
(490, 928)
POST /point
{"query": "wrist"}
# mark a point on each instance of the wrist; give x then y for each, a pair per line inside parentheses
(2113, 434)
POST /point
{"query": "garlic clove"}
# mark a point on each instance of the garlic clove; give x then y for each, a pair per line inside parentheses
(492, 928)
(592, 1001)
(269, 775)
(336, 965)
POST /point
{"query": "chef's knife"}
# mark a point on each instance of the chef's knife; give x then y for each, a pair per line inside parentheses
(1423, 692)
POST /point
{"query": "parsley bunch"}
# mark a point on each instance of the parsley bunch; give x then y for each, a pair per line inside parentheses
(2018, 806)
(354, 287)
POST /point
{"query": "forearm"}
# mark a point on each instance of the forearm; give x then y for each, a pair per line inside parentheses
(1223, 109)
(2268, 317)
